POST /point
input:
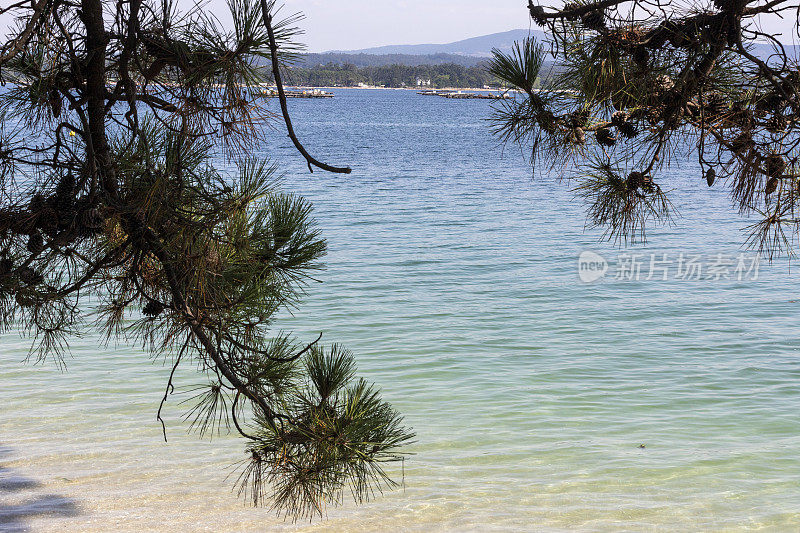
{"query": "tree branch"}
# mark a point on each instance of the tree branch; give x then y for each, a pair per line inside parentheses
(276, 72)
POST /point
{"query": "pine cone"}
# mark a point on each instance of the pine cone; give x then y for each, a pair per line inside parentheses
(577, 136)
(54, 101)
(679, 36)
(654, 115)
(743, 120)
(679, 39)
(25, 224)
(578, 119)
(619, 118)
(791, 82)
(775, 165)
(537, 13)
(771, 101)
(664, 83)
(6, 266)
(153, 309)
(741, 143)
(628, 130)
(569, 6)
(213, 260)
(67, 218)
(35, 244)
(605, 137)
(776, 124)
(772, 186)
(546, 121)
(36, 204)
(47, 220)
(89, 222)
(30, 277)
(65, 193)
(641, 56)
(635, 180)
(711, 176)
(23, 300)
(656, 39)
(594, 20)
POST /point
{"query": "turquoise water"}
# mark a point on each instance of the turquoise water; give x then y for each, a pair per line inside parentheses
(453, 275)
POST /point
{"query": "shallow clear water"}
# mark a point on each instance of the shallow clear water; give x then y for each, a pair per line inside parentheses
(453, 276)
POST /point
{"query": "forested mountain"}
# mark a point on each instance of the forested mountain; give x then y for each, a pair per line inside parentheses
(381, 60)
(476, 46)
(460, 64)
(472, 52)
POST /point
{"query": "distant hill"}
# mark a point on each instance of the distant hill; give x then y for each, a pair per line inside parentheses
(474, 47)
(468, 52)
(380, 60)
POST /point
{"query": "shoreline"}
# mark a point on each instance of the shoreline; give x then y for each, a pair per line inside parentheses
(416, 89)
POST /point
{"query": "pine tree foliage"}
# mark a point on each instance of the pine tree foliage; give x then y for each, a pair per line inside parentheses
(115, 213)
(640, 84)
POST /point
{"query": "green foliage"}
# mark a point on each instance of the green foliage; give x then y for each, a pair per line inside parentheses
(121, 217)
(623, 205)
(637, 90)
(521, 68)
(344, 431)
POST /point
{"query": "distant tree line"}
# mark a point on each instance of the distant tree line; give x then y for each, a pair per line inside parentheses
(379, 60)
(349, 75)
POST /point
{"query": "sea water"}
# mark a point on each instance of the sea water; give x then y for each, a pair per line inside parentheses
(540, 402)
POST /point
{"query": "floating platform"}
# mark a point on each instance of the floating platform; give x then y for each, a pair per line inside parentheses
(313, 93)
(475, 96)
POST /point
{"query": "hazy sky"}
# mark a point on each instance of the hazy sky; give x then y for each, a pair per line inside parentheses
(354, 24)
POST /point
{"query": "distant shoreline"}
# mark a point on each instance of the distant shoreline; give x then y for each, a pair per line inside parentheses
(417, 89)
